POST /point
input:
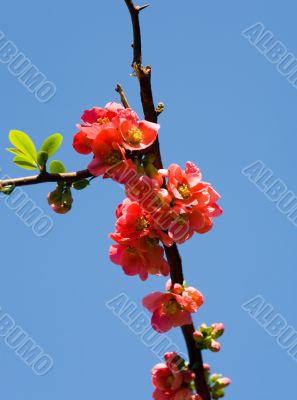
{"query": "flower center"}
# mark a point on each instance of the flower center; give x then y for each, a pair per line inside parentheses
(134, 136)
(152, 242)
(172, 307)
(169, 381)
(130, 250)
(142, 224)
(184, 190)
(103, 121)
(113, 157)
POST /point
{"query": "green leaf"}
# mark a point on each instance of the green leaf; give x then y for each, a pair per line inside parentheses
(79, 185)
(57, 167)
(42, 158)
(25, 163)
(14, 151)
(52, 144)
(23, 143)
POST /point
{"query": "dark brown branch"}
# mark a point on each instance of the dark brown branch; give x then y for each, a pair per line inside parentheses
(134, 11)
(176, 271)
(68, 177)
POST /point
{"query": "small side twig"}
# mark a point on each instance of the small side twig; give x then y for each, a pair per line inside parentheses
(121, 92)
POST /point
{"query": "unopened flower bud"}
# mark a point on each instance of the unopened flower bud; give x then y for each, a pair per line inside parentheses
(67, 199)
(61, 208)
(215, 346)
(174, 361)
(206, 367)
(176, 288)
(214, 378)
(54, 197)
(223, 382)
(198, 336)
(196, 397)
(217, 330)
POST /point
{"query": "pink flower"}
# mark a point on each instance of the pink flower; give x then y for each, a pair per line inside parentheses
(137, 135)
(140, 257)
(167, 311)
(173, 380)
(187, 221)
(141, 187)
(163, 378)
(107, 151)
(132, 222)
(192, 299)
(95, 120)
(184, 185)
(172, 309)
(104, 130)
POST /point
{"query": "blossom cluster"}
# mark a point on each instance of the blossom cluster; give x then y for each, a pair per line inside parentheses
(217, 383)
(173, 380)
(162, 206)
(205, 337)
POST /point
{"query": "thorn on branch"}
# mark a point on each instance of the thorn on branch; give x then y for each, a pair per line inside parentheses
(140, 8)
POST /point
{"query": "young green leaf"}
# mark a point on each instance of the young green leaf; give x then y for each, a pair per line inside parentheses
(52, 144)
(57, 167)
(25, 163)
(23, 143)
(14, 151)
(42, 158)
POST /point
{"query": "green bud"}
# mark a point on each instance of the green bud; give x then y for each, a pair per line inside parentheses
(42, 158)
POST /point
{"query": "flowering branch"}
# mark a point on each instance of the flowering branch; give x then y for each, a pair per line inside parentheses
(176, 272)
(69, 177)
(162, 208)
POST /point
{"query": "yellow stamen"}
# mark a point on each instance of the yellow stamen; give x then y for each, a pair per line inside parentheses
(142, 224)
(103, 121)
(113, 157)
(184, 190)
(134, 136)
(171, 307)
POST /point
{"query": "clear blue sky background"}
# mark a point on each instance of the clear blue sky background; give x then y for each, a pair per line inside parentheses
(226, 107)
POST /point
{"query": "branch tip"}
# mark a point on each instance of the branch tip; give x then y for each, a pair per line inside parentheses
(140, 8)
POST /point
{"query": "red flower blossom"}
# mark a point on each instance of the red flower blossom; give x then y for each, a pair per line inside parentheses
(140, 257)
(171, 309)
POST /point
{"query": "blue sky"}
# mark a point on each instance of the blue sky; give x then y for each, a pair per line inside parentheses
(227, 106)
